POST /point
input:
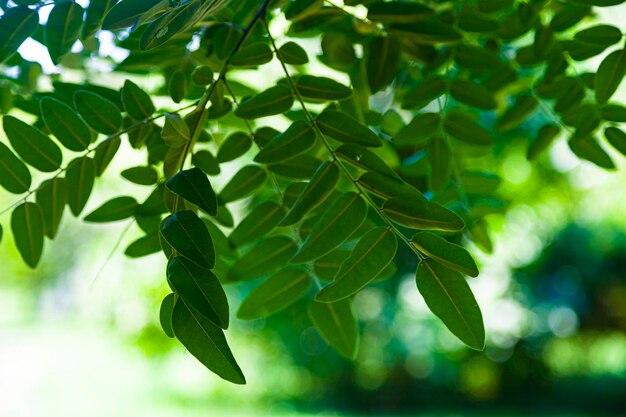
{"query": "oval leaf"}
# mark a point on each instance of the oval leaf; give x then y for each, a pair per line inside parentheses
(188, 235)
(28, 231)
(194, 186)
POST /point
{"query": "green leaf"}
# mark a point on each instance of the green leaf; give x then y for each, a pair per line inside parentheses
(206, 342)
(518, 113)
(617, 138)
(206, 162)
(364, 159)
(165, 314)
(338, 51)
(293, 54)
(63, 28)
(275, 100)
(480, 182)
(440, 157)
(51, 197)
(472, 94)
(321, 186)
(476, 58)
(338, 326)
(603, 35)
(427, 32)
(194, 186)
(177, 86)
(449, 297)
(345, 129)
(118, 208)
(144, 246)
(446, 253)
(244, 182)
(387, 187)
(462, 127)
(65, 124)
(298, 138)
(32, 145)
(267, 256)
(252, 55)
(421, 128)
(397, 11)
(233, 147)
(105, 152)
(609, 75)
(281, 290)
(586, 147)
(188, 235)
(335, 226)
(202, 75)
(382, 62)
(258, 223)
(94, 16)
(545, 136)
(175, 131)
(143, 175)
(137, 102)
(99, 113)
(80, 176)
(374, 251)
(422, 214)
(200, 289)
(614, 113)
(425, 92)
(16, 25)
(28, 231)
(300, 166)
(321, 89)
(127, 12)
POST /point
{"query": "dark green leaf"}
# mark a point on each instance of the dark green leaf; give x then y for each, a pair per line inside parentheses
(263, 259)
(364, 159)
(99, 113)
(206, 342)
(32, 145)
(382, 61)
(244, 182)
(200, 289)
(194, 186)
(321, 88)
(281, 290)
(275, 100)
(118, 208)
(463, 128)
(298, 138)
(291, 53)
(28, 232)
(65, 124)
(427, 32)
(421, 214)
(105, 153)
(440, 157)
(261, 220)
(177, 86)
(52, 198)
(446, 253)
(188, 235)
(337, 325)
(127, 12)
(257, 53)
(145, 245)
(421, 128)
(16, 25)
(387, 187)
(233, 147)
(617, 138)
(472, 94)
(604, 35)
(175, 131)
(80, 176)
(63, 28)
(206, 162)
(519, 111)
(137, 102)
(345, 129)
(609, 75)
(586, 147)
(165, 314)
(449, 297)
(145, 175)
(397, 11)
(545, 136)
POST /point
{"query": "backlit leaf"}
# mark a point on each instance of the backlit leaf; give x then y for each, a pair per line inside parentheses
(187, 234)
(118, 208)
(32, 145)
(422, 214)
(194, 186)
(337, 325)
(80, 177)
(65, 124)
(28, 232)
(265, 258)
(446, 253)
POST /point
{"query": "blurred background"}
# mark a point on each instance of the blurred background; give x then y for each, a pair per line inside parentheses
(80, 335)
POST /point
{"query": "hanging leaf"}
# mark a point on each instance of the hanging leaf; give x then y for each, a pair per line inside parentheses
(609, 75)
(440, 157)
(298, 138)
(449, 297)
(446, 253)
(127, 12)
(200, 289)
(374, 251)
(545, 136)
(263, 259)
(118, 208)
(382, 61)
(206, 342)
(165, 314)
(603, 35)
(28, 231)
(99, 113)
(94, 16)
(275, 100)
(472, 94)
(63, 28)
(80, 176)
(617, 139)
(427, 32)
(105, 152)
(235, 145)
(206, 162)
(291, 53)
(244, 182)
(364, 159)
(65, 124)
(336, 225)
(261, 220)
(194, 186)
(51, 197)
(32, 145)
(321, 186)
(421, 214)
(397, 12)
(321, 88)
(388, 187)
(462, 127)
(188, 235)
(337, 324)
(137, 102)
(16, 25)
(177, 86)
(586, 147)
(145, 175)
(281, 290)
(519, 112)
(252, 55)
(144, 246)
(345, 129)
(421, 128)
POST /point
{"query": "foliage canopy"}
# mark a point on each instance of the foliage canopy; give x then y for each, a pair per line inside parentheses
(393, 150)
